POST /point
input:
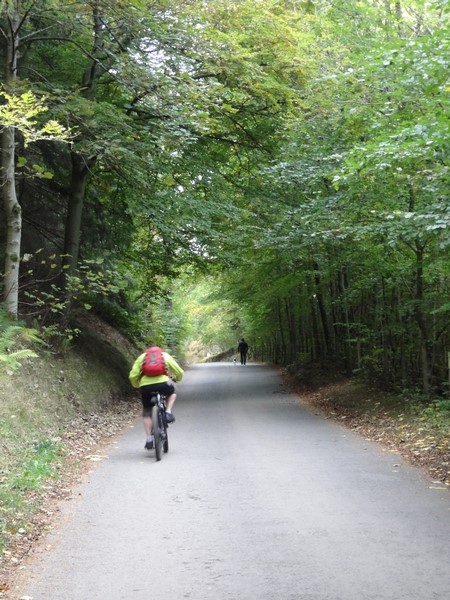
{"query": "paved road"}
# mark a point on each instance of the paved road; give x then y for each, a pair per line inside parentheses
(258, 499)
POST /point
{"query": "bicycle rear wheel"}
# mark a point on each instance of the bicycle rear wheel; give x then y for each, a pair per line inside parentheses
(156, 421)
(166, 437)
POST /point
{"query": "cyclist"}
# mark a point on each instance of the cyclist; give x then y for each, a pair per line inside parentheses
(149, 385)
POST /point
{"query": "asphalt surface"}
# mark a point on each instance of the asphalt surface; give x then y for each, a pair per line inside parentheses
(258, 498)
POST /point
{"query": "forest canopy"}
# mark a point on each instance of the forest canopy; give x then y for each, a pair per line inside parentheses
(195, 170)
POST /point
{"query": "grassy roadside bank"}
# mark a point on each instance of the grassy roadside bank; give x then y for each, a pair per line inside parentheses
(55, 413)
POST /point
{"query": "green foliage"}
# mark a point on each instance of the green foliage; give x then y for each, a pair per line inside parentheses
(30, 473)
(39, 467)
(212, 320)
(436, 414)
(93, 278)
(96, 286)
(342, 245)
(293, 157)
(21, 112)
(13, 336)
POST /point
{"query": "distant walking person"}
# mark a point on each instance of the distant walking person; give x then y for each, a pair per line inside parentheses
(243, 349)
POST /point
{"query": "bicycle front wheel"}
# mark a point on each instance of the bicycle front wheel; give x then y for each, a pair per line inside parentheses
(156, 418)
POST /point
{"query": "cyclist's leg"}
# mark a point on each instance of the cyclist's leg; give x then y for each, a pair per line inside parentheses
(147, 404)
(147, 425)
(167, 389)
(170, 401)
(169, 392)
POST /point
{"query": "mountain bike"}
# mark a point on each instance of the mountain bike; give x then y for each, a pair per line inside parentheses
(160, 425)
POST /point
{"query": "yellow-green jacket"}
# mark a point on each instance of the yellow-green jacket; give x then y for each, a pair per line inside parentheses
(138, 380)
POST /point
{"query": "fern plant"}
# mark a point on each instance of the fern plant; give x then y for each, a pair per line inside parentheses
(13, 336)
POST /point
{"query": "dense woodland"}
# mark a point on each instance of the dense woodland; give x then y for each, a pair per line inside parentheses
(199, 170)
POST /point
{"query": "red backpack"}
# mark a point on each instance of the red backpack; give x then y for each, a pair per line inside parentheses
(154, 364)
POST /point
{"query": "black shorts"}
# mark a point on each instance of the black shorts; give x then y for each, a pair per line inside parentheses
(166, 388)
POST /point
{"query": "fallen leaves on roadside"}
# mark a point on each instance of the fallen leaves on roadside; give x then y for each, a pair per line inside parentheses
(95, 457)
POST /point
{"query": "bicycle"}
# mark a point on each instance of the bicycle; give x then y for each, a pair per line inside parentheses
(160, 425)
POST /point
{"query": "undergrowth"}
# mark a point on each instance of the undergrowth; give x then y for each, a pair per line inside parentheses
(29, 473)
(435, 414)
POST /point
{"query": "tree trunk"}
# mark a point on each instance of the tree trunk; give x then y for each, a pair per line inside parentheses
(81, 165)
(12, 207)
(80, 172)
(421, 319)
(292, 331)
(419, 314)
(281, 332)
(399, 18)
(14, 224)
(322, 310)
